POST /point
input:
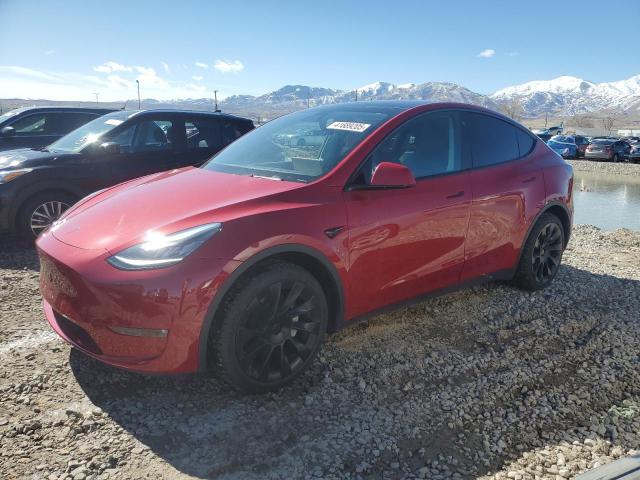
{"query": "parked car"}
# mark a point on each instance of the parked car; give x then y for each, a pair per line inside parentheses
(39, 126)
(244, 264)
(544, 134)
(631, 140)
(302, 137)
(37, 186)
(564, 145)
(634, 153)
(608, 149)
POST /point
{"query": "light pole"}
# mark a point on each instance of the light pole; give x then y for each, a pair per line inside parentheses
(138, 82)
(215, 100)
(97, 94)
(356, 95)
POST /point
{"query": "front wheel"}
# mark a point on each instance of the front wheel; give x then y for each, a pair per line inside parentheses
(272, 327)
(542, 254)
(39, 212)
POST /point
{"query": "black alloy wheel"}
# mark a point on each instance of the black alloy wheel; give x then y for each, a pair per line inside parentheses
(278, 332)
(273, 325)
(541, 254)
(547, 252)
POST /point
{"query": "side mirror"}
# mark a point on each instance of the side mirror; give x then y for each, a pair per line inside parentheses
(8, 132)
(392, 175)
(109, 148)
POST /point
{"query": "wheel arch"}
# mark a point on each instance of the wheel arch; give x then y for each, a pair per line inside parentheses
(556, 208)
(33, 193)
(308, 258)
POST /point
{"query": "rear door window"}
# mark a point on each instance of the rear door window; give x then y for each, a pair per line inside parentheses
(64, 122)
(489, 140)
(203, 133)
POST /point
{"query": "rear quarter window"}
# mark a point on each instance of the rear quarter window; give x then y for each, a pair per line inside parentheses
(525, 142)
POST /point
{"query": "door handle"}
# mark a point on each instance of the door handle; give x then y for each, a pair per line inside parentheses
(456, 195)
(529, 180)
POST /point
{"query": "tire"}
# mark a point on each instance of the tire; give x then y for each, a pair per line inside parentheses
(38, 212)
(271, 328)
(539, 266)
(615, 158)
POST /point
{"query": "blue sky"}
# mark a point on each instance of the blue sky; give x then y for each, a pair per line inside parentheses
(71, 49)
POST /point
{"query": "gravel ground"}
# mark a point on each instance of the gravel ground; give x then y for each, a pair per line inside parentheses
(632, 169)
(484, 383)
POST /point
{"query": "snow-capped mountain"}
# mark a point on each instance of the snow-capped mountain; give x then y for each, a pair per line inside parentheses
(570, 95)
(294, 97)
(562, 96)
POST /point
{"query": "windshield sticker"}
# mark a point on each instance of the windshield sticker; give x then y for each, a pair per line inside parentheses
(113, 121)
(349, 126)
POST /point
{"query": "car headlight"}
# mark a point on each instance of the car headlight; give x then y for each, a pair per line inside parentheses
(160, 250)
(8, 175)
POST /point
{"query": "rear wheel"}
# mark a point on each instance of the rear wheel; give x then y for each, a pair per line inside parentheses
(542, 254)
(615, 158)
(272, 327)
(40, 211)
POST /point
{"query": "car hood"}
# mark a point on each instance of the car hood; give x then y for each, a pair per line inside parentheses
(27, 158)
(167, 202)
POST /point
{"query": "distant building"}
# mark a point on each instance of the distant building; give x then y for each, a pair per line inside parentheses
(592, 131)
(629, 132)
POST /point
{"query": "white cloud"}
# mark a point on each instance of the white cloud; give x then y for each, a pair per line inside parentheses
(165, 65)
(117, 82)
(201, 65)
(148, 77)
(487, 53)
(196, 89)
(197, 78)
(108, 67)
(28, 83)
(28, 72)
(229, 67)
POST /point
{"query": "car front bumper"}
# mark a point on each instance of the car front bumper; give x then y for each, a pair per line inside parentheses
(90, 304)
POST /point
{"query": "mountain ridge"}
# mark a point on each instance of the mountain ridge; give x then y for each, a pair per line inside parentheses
(561, 96)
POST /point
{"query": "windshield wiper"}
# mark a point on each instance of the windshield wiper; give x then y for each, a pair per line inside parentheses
(273, 177)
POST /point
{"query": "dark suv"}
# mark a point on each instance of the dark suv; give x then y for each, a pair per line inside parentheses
(40, 126)
(38, 185)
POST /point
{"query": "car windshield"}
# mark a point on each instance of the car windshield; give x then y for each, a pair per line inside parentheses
(79, 138)
(302, 146)
(9, 114)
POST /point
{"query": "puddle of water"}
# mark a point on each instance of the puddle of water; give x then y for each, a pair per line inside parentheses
(607, 201)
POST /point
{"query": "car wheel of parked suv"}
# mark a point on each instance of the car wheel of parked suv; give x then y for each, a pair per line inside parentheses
(39, 212)
(541, 254)
(615, 158)
(272, 326)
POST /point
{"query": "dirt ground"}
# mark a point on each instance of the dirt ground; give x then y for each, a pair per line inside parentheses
(491, 382)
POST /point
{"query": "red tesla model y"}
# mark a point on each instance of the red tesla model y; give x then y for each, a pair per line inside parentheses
(302, 226)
